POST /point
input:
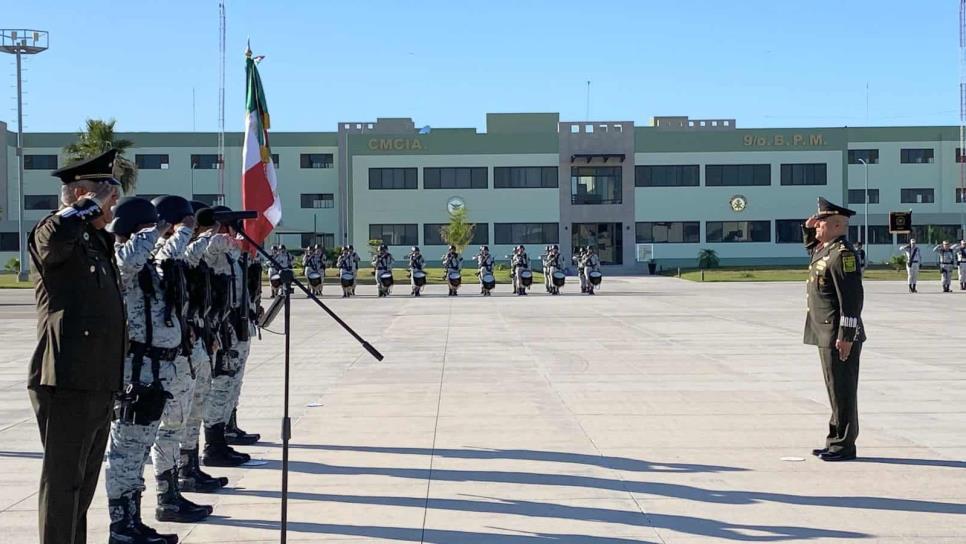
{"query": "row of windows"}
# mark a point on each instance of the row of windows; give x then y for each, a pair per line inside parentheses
(406, 234)
(925, 155)
(728, 175)
(787, 231)
(162, 161)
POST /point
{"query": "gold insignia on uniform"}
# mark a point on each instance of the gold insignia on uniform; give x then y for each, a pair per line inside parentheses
(849, 263)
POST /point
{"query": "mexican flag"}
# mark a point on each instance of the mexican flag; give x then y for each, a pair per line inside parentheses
(259, 185)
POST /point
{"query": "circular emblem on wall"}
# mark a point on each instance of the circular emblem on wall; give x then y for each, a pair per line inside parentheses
(738, 203)
(455, 203)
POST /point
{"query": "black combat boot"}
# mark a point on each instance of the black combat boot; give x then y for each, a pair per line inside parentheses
(169, 539)
(125, 527)
(174, 507)
(236, 436)
(192, 479)
(217, 451)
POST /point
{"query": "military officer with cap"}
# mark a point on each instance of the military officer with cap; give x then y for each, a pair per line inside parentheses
(947, 259)
(834, 322)
(77, 366)
(913, 261)
(960, 250)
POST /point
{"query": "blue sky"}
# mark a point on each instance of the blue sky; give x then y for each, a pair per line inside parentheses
(448, 63)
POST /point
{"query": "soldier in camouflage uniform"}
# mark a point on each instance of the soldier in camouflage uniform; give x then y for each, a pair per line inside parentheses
(834, 322)
(152, 372)
(222, 255)
(201, 320)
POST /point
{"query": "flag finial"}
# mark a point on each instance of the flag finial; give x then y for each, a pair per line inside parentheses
(248, 49)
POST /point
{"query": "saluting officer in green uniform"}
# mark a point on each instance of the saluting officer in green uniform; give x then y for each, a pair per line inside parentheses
(834, 322)
(81, 328)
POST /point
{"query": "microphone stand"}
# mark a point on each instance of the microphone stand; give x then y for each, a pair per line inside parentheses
(288, 279)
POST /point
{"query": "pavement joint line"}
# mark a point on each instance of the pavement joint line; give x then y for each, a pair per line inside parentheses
(439, 402)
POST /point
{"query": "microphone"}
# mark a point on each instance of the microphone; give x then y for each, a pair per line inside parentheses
(230, 217)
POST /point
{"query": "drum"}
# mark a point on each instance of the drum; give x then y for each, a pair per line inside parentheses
(385, 278)
(526, 277)
(275, 280)
(419, 278)
(347, 279)
(489, 282)
(559, 279)
(595, 277)
(455, 278)
(315, 279)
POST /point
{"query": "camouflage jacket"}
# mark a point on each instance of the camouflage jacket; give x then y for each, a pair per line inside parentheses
(133, 260)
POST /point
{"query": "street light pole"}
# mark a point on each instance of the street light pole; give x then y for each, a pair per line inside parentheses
(865, 235)
(21, 42)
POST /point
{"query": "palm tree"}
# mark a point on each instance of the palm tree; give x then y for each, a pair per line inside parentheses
(96, 138)
(708, 258)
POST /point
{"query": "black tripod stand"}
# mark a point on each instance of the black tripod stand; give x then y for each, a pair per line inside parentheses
(288, 279)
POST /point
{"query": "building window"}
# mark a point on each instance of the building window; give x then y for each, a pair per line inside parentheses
(931, 234)
(789, 231)
(870, 156)
(738, 231)
(455, 178)
(857, 196)
(878, 234)
(395, 235)
(804, 174)
(40, 162)
(432, 236)
(917, 196)
(668, 232)
(737, 175)
(325, 239)
(204, 162)
(318, 200)
(916, 156)
(525, 177)
(683, 175)
(209, 199)
(315, 160)
(959, 195)
(392, 178)
(40, 202)
(275, 160)
(151, 162)
(526, 233)
(595, 185)
(8, 241)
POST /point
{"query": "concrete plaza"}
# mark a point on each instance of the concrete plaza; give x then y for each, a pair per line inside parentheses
(659, 411)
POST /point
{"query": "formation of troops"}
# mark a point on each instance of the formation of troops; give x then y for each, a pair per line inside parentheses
(314, 263)
(949, 258)
(185, 295)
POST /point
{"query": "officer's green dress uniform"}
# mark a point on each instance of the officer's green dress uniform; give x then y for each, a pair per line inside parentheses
(834, 313)
(77, 366)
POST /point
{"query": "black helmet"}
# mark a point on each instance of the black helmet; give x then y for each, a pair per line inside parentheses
(219, 208)
(382, 247)
(590, 248)
(556, 247)
(415, 249)
(351, 248)
(172, 208)
(131, 211)
(452, 247)
(484, 248)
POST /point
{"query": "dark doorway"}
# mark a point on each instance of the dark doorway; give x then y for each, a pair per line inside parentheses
(608, 238)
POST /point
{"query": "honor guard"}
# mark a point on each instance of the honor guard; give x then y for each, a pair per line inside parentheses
(201, 321)
(913, 260)
(417, 277)
(519, 266)
(313, 264)
(947, 260)
(153, 372)
(347, 272)
(834, 322)
(484, 265)
(860, 253)
(960, 250)
(452, 267)
(590, 263)
(382, 270)
(77, 366)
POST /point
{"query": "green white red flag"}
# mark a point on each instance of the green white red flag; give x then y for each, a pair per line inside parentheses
(259, 185)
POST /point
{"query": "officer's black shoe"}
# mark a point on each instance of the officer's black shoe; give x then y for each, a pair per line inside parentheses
(819, 451)
(217, 452)
(168, 539)
(192, 479)
(125, 527)
(831, 456)
(172, 506)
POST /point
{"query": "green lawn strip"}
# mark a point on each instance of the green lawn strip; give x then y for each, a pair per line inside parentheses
(8, 280)
(796, 274)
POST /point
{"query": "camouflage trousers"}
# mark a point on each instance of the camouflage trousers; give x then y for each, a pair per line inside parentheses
(130, 444)
(225, 389)
(202, 365)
